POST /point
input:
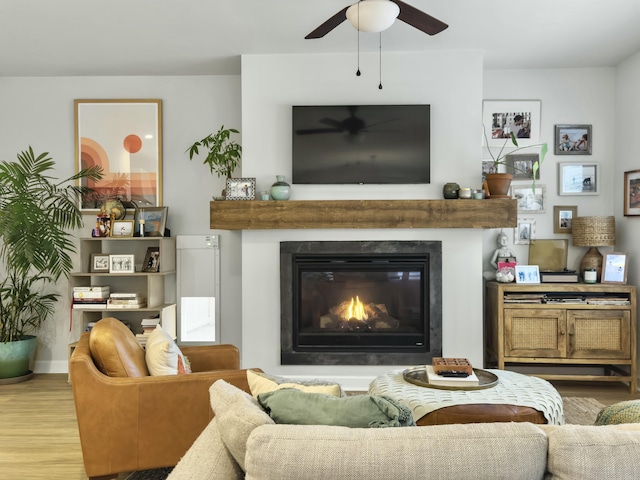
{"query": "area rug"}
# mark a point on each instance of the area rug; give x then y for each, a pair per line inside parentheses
(581, 410)
(155, 474)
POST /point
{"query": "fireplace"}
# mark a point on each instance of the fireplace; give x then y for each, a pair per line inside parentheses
(361, 303)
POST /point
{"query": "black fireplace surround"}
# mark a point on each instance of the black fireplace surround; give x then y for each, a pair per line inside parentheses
(360, 303)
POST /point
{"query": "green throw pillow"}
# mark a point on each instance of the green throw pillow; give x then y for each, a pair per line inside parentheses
(359, 411)
(621, 412)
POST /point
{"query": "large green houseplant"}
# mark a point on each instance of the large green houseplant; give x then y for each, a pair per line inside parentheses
(37, 212)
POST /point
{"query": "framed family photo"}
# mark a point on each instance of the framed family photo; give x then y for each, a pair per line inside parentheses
(573, 140)
(122, 263)
(614, 268)
(527, 274)
(530, 199)
(520, 166)
(241, 189)
(563, 216)
(99, 263)
(632, 193)
(501, 118)
(525, 231)
(577, 178)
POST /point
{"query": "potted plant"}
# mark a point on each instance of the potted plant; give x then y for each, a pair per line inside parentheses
(498, 183)
(37, 212)
(224, 154)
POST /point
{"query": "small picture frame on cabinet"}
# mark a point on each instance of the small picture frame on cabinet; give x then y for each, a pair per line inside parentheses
(151, 262)
(614, 268)
(122, 263)
(122, 228)
(527, 274)
(99, 263)
(241, 189)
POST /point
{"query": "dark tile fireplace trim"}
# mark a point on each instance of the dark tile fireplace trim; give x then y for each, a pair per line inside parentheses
(292, 357)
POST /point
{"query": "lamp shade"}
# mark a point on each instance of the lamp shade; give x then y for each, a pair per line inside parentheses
(594, 231)
(373, 16)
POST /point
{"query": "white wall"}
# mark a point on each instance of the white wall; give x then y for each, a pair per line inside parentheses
(451, 83)
(39, 112)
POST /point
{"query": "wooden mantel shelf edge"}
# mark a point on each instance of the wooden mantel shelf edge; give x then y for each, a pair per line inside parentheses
(322, 214)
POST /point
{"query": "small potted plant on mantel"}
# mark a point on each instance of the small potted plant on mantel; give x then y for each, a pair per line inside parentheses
(224, 154)
(498, 183)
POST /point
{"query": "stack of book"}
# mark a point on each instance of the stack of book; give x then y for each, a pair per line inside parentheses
(124, 300)
(148, 325)
(90, 297)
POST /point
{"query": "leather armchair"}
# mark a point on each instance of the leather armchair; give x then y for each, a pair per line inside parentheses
(128, 424)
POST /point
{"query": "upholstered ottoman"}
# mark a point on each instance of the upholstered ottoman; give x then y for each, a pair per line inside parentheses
(515, 398)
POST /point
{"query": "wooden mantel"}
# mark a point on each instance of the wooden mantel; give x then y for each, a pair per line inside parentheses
(293, 214)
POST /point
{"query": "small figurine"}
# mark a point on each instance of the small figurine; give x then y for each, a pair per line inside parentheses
(502, 253)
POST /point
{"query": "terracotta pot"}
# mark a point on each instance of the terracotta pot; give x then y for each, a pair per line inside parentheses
(498, 184)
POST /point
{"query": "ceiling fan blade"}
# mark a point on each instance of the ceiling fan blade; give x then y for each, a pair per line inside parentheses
(418, 19)
(329, 25)
(331, 122)
(312, 131)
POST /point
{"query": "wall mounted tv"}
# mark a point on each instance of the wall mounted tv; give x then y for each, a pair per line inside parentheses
(360, 144)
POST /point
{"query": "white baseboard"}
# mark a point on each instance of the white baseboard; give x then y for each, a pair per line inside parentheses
(56, 366)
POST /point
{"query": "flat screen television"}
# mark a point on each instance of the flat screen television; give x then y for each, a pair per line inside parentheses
(361, 144)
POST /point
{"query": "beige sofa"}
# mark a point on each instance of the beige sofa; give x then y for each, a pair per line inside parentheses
(243, 442)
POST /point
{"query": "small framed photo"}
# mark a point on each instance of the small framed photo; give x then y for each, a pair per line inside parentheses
(122, 228)
(525, 231)
(99, 263)
(122, 263)
(152, 221)
(563, 216)
(614, 268)
(632, 193)
(530, 199)
(521, 166)
(527, 274)
(577, 178)
(151, 260)
(573, 140)
(241, 189)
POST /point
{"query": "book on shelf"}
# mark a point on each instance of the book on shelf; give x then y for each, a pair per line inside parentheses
(89, 306)
(435, 379)
(608, 301)
(126, 301)
(90, 292)
(90, 295)
(559, 277)
(93, 288)
(125, 295)
(103, 301)
(116, 306)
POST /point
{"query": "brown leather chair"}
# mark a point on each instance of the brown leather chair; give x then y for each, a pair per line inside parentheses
(134, 421)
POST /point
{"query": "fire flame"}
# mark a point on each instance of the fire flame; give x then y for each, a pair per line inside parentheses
(356, 309)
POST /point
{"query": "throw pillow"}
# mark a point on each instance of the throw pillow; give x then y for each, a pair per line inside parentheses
(360, 411)
(115, 350)
(262, 383)
(621, 412)
(163, 356)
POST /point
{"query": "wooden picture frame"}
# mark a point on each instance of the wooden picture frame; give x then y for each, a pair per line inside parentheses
(573, 140)
(151, 260)
(241, 189)
(122, 228)
(520, 165)
(499, 118)
(575, 178)
(563, 216)
(530, 199)
(527, 274)
(122, 263)
(99, 263)
(152, 220)
(614, 268)
(525, 231)
(124, 137)
(632, 193)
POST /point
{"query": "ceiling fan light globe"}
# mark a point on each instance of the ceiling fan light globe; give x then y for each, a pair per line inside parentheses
(373, 16)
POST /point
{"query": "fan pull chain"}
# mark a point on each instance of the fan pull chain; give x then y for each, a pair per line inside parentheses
(358, 33)
(380, 61)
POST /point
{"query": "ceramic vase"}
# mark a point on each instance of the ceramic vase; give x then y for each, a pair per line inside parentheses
(280, 190)
(450, 190)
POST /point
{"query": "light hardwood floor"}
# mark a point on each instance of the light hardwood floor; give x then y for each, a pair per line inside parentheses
(39, 435)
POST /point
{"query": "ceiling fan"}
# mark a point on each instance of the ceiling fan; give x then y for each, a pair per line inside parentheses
(382, 14)
(351, 125)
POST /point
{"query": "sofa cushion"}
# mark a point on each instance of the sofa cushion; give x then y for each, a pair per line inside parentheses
(499, 451)
(360, 411)
(163, 356)
(621, 412)
(115, 350)
(238, 415)
(593, 453)
(207, 459)
(261, 383)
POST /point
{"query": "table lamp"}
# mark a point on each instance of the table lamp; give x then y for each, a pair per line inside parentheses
(593, 232)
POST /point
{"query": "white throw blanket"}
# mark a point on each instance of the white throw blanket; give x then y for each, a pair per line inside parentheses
(512, 389)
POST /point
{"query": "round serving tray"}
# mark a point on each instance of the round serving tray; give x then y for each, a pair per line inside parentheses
(418, 376)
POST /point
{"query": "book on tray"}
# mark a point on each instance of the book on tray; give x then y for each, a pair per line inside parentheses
(441, 380)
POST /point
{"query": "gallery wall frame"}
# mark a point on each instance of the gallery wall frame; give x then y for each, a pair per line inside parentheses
(573, 140)
(520, 165)
(499, 119)
(578, 178)
(124, 138)
(563, 216)
(530, 199)
(525, 231)
(632, 193)
(614, 268)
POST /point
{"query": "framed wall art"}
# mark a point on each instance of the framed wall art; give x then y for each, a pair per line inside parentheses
(525, 231)
(521, 165)
(122, 228)
(151, 260)
(99, 263)
(614, 268)
(122, 263)
(527, 274)
(500, 118)
(573, 140)
(530, 199)
(563, 216)
(124, 138)
(632, 193)
(577, 178)
(241, 189)
(151, 221)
